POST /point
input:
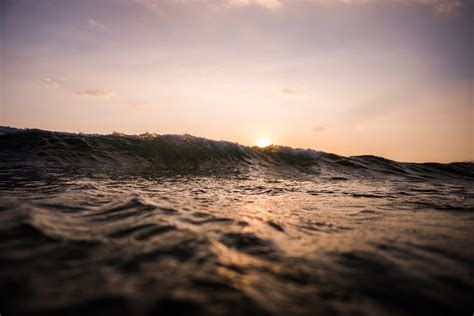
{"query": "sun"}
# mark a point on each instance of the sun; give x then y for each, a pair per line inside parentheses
(263, 142)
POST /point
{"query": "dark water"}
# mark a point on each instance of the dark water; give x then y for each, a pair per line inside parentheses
(178, 225)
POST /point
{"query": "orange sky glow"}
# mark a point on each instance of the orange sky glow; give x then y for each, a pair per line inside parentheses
(390, 78)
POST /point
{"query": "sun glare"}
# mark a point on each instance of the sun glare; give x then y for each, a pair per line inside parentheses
(263, 142)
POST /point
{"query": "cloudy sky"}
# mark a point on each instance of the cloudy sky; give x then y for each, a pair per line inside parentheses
(392, 78)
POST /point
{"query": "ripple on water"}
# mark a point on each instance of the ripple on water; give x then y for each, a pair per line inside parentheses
(218, 246)
(249, 243)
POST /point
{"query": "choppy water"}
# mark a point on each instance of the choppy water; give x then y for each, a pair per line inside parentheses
(170, 225)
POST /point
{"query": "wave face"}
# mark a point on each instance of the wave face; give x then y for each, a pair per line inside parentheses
(148, 152)
(181, 225)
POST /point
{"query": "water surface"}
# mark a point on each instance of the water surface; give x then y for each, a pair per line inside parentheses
(152, 225)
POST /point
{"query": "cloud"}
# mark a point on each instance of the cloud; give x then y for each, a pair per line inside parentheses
(318, 129)
(451, 7)
(289, 91)
(51, 83)
(95, 93)
(214, 4)
(448, 7)
(96, 25)
(267, 4)
(439, 7)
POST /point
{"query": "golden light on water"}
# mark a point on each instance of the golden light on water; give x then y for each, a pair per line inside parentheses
(263, 142)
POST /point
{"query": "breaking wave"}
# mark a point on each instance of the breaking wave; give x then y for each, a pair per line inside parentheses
(152, 153)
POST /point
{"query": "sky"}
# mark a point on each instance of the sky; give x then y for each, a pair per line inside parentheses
(391, 78)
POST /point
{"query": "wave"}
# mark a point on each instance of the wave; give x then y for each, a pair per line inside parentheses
(166, 224)
(34, 148)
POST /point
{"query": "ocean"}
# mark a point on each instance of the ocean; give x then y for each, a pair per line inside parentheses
(181, 225)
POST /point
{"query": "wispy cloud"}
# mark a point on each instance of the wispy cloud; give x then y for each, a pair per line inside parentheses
(448, 7)
(96, 25)
(155, 5)
(267, 4)
(51, 83)
(290, 92)
(451, 7)
(439, 7)
(318, 129)
(95, 93)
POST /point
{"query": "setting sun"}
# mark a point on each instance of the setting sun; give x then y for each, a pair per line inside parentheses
(263, 142)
